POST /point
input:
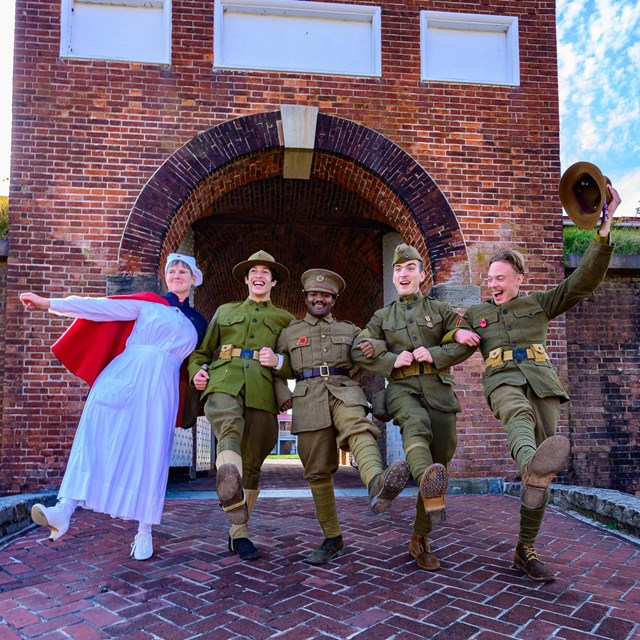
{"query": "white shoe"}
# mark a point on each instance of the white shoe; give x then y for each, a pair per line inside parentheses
(53, 517)
(142, 546)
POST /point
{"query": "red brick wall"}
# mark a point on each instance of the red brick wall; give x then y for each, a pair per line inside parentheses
(3, 300)
(603, 344)
(89, 135)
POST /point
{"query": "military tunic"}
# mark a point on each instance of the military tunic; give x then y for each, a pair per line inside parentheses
(240, 400)
(309, 344)
(524, 321)
(246, 325)
(406, 324)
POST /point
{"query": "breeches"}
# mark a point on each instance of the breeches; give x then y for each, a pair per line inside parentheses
(519, 405)
(419, 422)
(349, 421)
(318, 452)
(252, 433)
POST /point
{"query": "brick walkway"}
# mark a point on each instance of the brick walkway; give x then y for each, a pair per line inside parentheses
(84, 586)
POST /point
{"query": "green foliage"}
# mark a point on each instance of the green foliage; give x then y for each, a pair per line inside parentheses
(626, 239)
(4, 216)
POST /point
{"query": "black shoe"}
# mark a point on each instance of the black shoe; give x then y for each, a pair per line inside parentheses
(329, 549)
(244, 548)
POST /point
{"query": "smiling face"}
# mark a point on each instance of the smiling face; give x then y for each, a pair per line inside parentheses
(319, 303)
(408, 276)
(179, 279)
(260, 281)
(503, 281)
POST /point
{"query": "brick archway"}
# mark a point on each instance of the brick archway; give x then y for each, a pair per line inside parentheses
(375, 181)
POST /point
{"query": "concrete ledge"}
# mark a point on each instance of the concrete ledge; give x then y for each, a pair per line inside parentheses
(617, 511)
(619, 262)
(466, 486)
(15, 510)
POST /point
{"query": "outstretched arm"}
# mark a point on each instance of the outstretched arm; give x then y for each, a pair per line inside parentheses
(33, 301)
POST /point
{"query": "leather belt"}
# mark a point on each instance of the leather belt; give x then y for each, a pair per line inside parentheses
(414, 369)
(323, 371)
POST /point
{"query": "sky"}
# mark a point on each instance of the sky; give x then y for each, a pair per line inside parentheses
(599, 75)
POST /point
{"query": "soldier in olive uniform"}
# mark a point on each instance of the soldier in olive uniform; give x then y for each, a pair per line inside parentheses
(329, 409)
(420, 396)
(520, 384)
(233, 368)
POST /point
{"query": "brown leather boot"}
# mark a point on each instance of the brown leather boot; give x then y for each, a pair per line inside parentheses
(537, 475)
(420, 550)
(386, 486)
(433, 486)
(526, 560)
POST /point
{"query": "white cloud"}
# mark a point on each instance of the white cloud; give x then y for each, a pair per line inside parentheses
(599, 78)
(628, 186)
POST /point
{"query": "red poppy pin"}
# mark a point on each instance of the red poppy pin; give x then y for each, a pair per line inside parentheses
(483, 322)
(303, 340)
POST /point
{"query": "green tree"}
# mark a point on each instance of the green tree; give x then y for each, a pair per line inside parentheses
(4, 216)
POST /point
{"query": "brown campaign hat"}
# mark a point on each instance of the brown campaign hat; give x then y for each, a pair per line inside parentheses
(404, 253)
(583, 190)
(322, 280)
(281, 273)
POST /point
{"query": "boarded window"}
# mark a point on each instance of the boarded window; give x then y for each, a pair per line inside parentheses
(133, 30)
(285, 35)
(460, 47)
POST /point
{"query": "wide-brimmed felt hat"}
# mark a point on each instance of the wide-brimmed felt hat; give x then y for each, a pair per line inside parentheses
(583, 192)
(322, 280)
(188, 260)
(281, 273)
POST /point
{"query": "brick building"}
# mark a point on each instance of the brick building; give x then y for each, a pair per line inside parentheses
(322, 132)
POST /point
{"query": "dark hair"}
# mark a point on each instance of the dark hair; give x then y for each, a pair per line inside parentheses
(175, 262)
(272, 271)
(513, 257)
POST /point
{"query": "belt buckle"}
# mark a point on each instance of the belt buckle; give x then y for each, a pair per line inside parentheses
(324, 370)
(519, 355)
(247, 354)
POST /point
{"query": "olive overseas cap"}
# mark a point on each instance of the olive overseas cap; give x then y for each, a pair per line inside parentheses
(322, 280)
(404, 253)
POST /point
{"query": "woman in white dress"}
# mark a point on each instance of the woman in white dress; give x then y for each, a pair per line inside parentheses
(119, 461)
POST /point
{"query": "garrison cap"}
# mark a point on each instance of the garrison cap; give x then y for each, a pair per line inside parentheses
(404, 253)
(322, 280)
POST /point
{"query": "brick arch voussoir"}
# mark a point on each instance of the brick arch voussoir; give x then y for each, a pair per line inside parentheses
(433, 223)
(180, 175)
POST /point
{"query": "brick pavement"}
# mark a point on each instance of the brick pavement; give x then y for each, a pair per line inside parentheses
(84, 586)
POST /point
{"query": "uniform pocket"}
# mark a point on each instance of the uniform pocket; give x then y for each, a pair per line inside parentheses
(340, 349)
(301, 356)
(483, 320)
